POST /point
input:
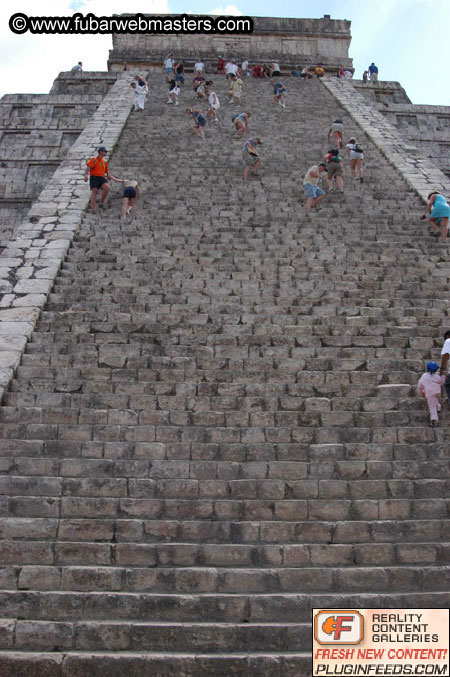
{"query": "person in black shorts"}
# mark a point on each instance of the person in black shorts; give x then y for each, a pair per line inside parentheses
(98, 173)
(199, 119)
(130, 193)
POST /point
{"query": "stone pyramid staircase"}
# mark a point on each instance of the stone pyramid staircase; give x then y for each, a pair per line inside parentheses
(214, 428)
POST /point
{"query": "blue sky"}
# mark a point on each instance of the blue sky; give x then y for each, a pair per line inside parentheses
(407, 39)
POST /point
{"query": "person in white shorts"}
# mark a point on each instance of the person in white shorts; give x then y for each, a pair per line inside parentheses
(356, 155)
(174, 93)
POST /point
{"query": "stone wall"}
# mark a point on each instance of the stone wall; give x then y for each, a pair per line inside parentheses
(419, 172)
(426, 127)
(30, 262)
(36, 133)
(289, 41)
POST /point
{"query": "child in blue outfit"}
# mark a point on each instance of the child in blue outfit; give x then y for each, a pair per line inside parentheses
(278, 93)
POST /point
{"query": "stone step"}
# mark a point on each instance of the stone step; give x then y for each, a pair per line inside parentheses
(306, 450)
(146, 664)
(256, 476)
(155, 637)
(332, 428)
(322, 527)
(387, 500)
(203, 608)
(117, 363)
(216, 417)
(21, 406)
(133, 573)
(306, 432)
(203, 409)
(245, 425)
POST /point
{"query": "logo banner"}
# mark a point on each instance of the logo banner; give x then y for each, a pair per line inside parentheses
(380, 642)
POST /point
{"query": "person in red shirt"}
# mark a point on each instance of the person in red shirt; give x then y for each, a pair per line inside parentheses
(98, 172)
(220, 66)
(257, 71)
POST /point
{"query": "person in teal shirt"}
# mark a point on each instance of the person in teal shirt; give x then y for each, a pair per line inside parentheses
(439, 211)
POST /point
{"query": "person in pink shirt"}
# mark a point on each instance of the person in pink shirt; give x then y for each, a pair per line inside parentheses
(429, 387)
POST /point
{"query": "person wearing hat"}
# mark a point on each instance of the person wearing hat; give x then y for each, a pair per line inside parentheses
(251, 157)
(98, 173)
(429, 387)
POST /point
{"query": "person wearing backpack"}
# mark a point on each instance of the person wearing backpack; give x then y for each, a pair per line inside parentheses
(334, 169)
(356, 155)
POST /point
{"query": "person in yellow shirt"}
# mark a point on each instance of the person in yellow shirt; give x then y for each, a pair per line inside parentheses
(319, 71)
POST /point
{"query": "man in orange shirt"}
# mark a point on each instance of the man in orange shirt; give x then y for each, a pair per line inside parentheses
(97, 170)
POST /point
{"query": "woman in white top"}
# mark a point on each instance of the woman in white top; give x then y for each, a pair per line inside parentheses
(214, 105)
(275, 69)
(199, 67)
(355, 152)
